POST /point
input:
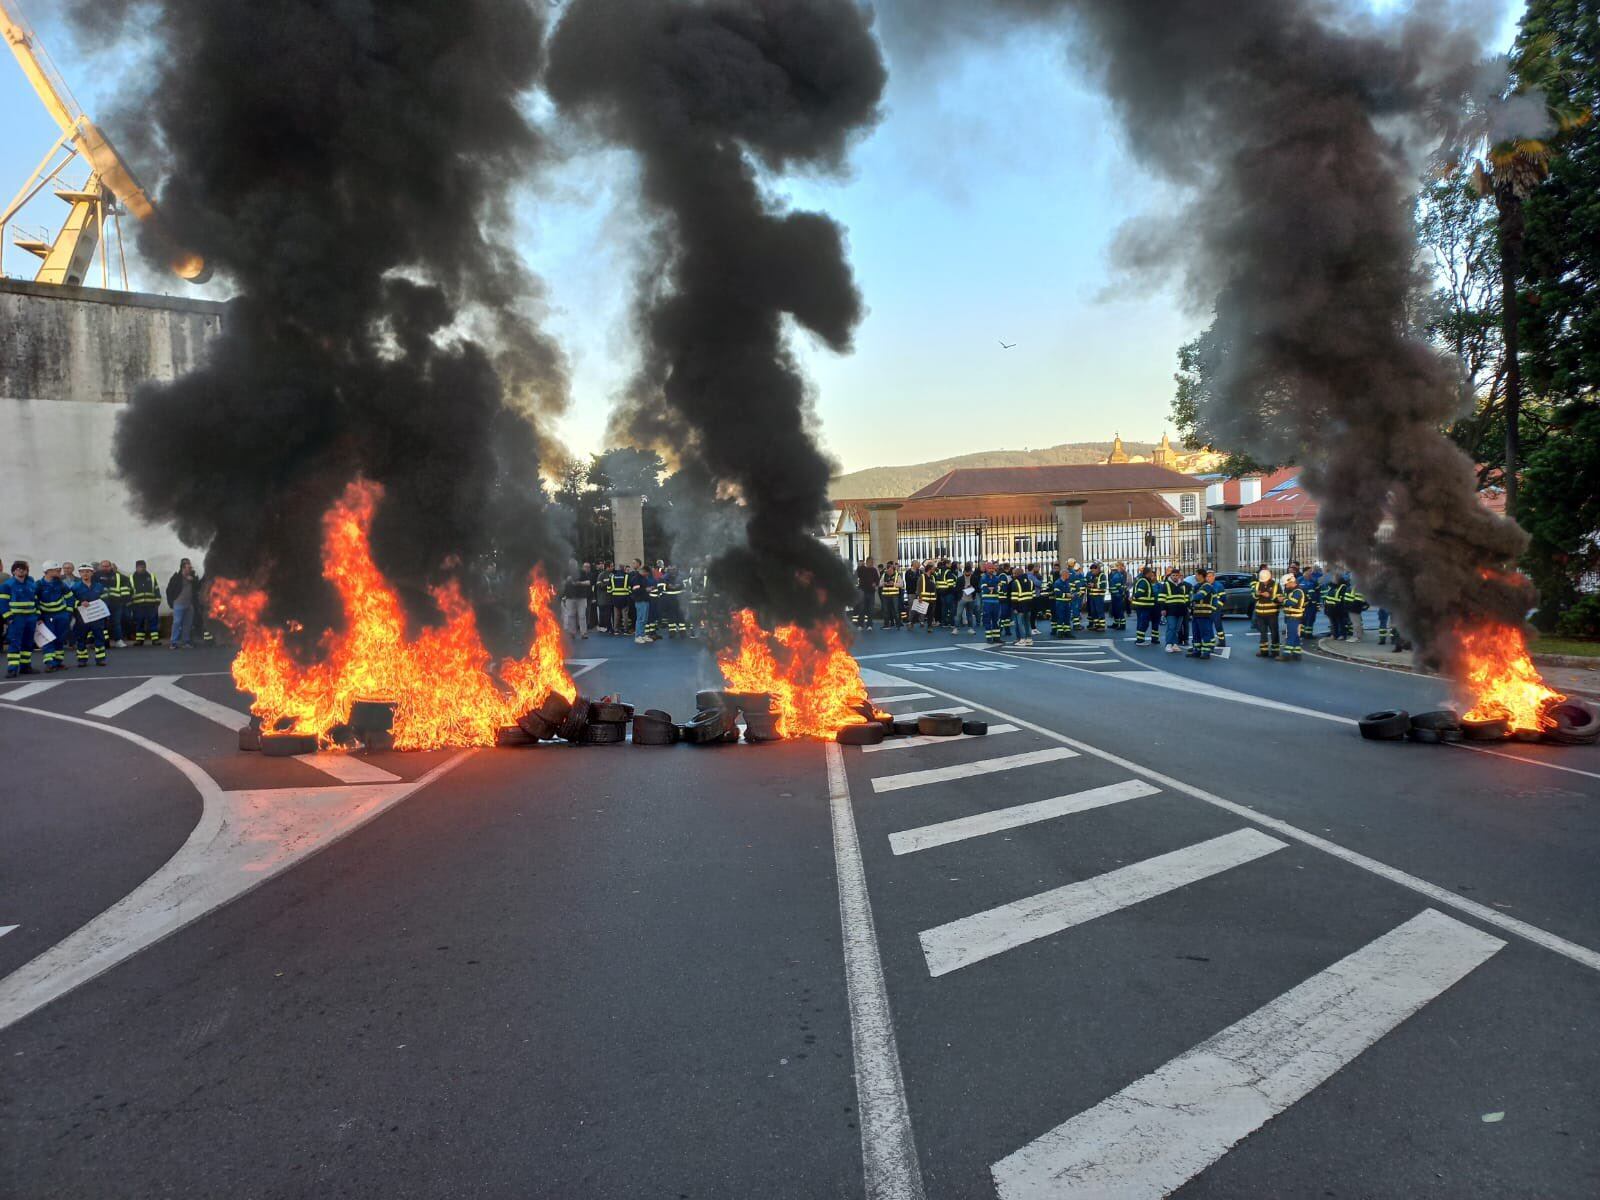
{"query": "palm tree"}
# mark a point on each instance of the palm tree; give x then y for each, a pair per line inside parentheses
(1510, 170)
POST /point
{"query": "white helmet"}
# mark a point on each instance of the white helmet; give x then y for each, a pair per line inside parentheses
(52, 565)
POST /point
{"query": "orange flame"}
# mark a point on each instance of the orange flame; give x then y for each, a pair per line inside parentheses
(815, 685)
(440, 682)
(1502, 680)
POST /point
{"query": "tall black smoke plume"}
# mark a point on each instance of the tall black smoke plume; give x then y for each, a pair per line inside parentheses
(1297, 131)
(348, 167)
(705, 93)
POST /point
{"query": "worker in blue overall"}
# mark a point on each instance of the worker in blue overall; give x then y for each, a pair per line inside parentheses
(1294, 611)
(94, 633)
(1117, 582)
(1003, 588)
(1144, 608)
(55, 613)
(19, 609)
(1060, 608)
(1097, 598)
(989, 603)
(145, 606)
(1203, 604)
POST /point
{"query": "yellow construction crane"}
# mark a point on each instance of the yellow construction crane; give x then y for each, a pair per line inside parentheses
(111, 186)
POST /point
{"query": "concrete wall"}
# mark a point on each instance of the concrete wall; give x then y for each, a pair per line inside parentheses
(70, 358)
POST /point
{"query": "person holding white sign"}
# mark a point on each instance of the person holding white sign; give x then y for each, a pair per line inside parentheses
(94, 617)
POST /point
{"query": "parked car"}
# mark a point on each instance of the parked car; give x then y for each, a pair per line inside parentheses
(1238, 595)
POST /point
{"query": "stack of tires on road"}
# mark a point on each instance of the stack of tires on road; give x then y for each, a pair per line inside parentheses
(602, 722)
(1575, 723)
(370, 728)
(876, 726)
(717, 716)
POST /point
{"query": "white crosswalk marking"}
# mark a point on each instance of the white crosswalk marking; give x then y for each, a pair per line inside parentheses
(1162, 1130)
(347, 768)
(1017, 815)
(5, 929)
(27, 692)
(906, 696)
(986, 766)
(906, 743)
(983, 935)
(954, 710)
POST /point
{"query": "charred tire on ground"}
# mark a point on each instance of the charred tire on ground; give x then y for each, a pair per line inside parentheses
(606, 712)
(372, 716)
(1429, 737)
(1576, 723)
(534, 727)
(1492, 729)
(378, 741)
(576, 721)
(869, 733)
(554, 709)
(603, 733)
(706, 727)
(905, 727)
(710, 698)
(1385, 726)
(762, 733)
(1436, 719)
(650, 731)
(974, 728)
(513, 735)
(250, 737)
(939, 725)
(286, 745)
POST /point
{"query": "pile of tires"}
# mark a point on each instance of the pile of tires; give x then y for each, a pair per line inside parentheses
(1576, 723)
(653, 727)
(874, 727)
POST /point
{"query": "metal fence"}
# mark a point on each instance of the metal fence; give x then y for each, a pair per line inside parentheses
(1277, 546)
(1034, 539)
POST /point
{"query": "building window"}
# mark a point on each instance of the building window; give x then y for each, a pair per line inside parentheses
(1187, 505)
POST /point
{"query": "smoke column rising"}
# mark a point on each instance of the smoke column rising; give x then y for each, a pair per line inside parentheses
(705, 94)
(348, 166)
(1297, 130)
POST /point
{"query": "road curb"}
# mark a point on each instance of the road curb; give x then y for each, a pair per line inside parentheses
(1322, 647)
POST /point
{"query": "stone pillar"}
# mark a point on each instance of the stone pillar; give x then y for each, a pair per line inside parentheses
(1069, 528)
(1225, 527)
(627, 527)
(883, 527)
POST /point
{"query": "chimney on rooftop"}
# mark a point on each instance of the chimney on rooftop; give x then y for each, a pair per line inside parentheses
(1250, 489)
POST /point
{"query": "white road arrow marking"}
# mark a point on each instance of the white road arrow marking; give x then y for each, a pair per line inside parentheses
(26, 692)
(5, 929)
(166, 687)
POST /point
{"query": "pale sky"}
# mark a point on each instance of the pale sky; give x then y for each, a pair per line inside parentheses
(981, 208)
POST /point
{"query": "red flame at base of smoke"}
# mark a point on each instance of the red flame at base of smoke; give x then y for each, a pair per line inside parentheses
(815, 685)
(440, 681)
(1502, 681)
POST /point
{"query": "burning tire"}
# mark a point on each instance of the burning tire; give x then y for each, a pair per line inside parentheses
(1575, 723)
(975, 728)
(372, 716)
(554, 709)
(1385, 726)
(287, 745)
(512, 735)
(709, 698)
(379, 741)
(534, 727)
(1437, 720)
(904, 728)
(868, 734)
(575, 722)
(345, 737)
(1485, 729)
(939, 725)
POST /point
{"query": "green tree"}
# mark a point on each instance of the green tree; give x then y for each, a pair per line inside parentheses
(1199, 361)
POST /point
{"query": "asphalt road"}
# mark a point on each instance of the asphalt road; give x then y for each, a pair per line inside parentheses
(1178, 930)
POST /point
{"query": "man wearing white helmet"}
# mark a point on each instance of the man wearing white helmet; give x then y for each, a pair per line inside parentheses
(1267, 596)
(1294, 610)
(55, 613)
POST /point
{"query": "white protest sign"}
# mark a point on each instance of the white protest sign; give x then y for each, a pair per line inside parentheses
(95, 610)
(42, 635)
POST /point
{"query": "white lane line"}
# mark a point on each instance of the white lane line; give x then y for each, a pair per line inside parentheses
(904, 653)
(985, 766)
(1491, 916)
(888, 1149)
(907, 696)
(1163, 1130)
(116, 678)
(5, 929)
(906, 743)
(27, 691)
(994, 931)
(942, 834)
(242, 840)
(1529, 762)
(166, 687)
(346, 768)
(954, 710)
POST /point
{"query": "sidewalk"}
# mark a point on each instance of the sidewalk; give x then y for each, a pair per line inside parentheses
(1578, 681)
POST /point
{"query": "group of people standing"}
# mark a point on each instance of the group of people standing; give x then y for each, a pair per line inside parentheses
(1008, 603)
(91, 608)
(622, 600)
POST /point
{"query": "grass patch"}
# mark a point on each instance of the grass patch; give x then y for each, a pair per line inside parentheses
(1558, 645)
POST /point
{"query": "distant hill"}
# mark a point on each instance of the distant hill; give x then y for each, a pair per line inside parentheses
(902, 481)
